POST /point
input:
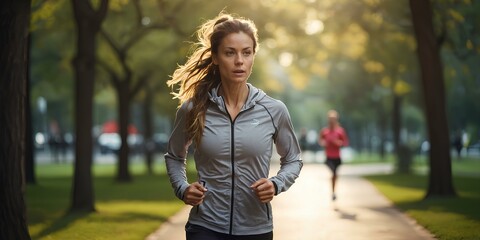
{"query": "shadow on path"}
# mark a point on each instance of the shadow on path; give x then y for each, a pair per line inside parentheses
(346, 215)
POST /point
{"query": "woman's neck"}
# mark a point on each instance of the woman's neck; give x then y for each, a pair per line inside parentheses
(234, 95)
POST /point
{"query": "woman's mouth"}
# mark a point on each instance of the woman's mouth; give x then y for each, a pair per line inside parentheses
(239, 73)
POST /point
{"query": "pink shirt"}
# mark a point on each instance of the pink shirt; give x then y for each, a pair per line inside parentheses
(330, 138)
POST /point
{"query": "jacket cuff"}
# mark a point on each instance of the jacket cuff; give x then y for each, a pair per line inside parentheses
(181, 191)
(276, 187)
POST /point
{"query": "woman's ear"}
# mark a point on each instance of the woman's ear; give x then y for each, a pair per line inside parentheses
(214, 59)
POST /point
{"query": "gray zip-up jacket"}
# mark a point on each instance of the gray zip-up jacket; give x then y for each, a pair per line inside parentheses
(233, 154)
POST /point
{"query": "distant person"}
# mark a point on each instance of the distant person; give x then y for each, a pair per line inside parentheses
(303, 139)
(56, 141)
(465, 140)
(332, 138)
(232, 126)
(458, 144)
(425, 147)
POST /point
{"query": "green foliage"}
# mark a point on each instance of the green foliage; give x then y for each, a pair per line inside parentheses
(45, 14)
(314, 55)
(447, 218)
(51, 50)
(457, 29)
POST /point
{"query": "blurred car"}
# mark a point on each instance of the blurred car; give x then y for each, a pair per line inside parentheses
(40, 141)
(474, 149)
(111, 142)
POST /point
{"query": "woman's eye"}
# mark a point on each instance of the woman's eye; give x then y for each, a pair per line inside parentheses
(248, 53)
(229, 53)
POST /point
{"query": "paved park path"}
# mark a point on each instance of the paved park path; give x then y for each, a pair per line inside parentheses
(306, 212)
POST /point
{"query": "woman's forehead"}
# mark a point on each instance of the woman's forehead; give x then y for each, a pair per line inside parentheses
(238, 40)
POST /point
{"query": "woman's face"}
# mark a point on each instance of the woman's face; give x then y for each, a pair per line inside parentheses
(235, 57)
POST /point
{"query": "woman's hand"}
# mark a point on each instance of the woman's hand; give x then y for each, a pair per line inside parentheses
(264, 189)
(322, 142)
(194, 194)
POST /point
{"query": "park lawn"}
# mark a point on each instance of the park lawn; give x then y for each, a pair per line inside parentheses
(447, 218)
(367, 157)
(124, 210)
(460, 166)
(466, 165)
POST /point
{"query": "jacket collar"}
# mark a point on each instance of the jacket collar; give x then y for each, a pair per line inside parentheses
(254, 95)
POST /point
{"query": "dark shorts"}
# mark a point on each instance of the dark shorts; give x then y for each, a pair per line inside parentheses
(333, 164)
(195, 232)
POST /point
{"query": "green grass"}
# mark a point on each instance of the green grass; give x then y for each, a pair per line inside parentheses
(124, 210)
(366, 157)
(447, 218)
(466, 166)
(469, 166)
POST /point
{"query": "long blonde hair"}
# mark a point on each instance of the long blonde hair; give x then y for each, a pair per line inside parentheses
(199, 75)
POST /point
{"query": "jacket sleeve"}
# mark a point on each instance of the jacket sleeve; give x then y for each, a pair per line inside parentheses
(175, 158)
(289, 150)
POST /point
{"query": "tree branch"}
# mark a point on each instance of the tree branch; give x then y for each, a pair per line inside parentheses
(170, 16)
(102, 10)
(161, 6)
(142, 31)
(172, 19)
(139, 12)
(142, 81)
(114, 78)
(179, 6)
(118, 51)
(82, 8)
(443, 33)
(37, 5)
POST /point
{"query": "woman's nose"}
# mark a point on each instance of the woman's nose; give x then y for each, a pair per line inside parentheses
(239, 59)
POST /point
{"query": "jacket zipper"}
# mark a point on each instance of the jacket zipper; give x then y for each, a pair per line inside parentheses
(232, 160)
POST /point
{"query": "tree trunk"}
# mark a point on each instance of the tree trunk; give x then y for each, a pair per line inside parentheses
(440, 178)
(382, 124)
(148, 134)
(403, 153)
(396, 121)
(123, 173)
(29, 147)
(14, 22)
(88, 23)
